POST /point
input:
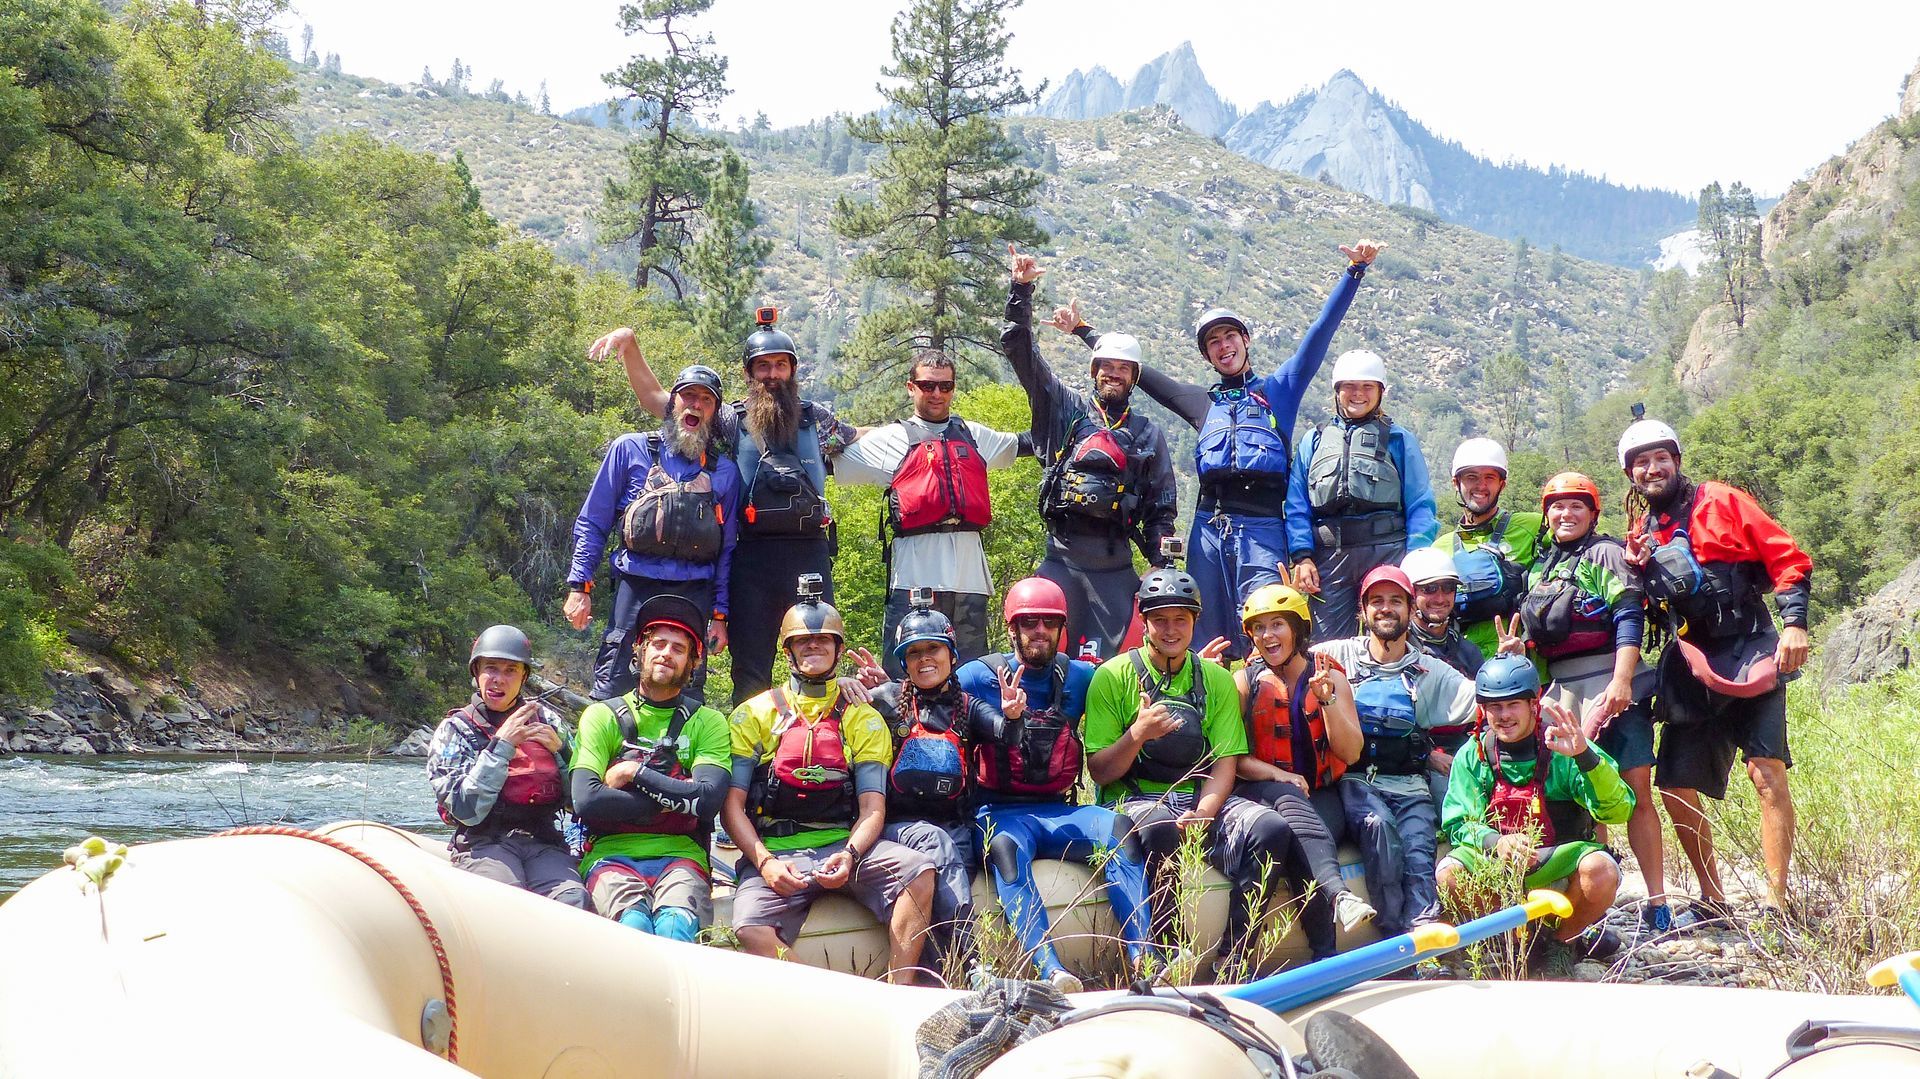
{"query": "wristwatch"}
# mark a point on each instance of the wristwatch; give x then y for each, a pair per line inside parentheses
(585, 588)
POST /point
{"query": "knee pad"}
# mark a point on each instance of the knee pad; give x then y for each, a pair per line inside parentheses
(1004, 855)
(676, 923)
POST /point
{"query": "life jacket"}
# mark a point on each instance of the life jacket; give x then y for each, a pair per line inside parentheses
(928, 779)
(1514, 807)
(1353, 474)
(809, 781)
(1393, 742)
(1241, 439)
(1710, 599)
(1561, 618)
(1450, 648)
(1091, 481)
(1288, 727)
(1491, 582)
(1045, 763)
(783, 498)
(533, 792)
(941, 483)
(662, 756)
(1175, 756)
(676, 519)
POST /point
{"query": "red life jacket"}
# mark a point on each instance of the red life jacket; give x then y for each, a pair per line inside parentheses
(662, 756)
(928, 778)
(1287, 726)
(533, 775)
(809, 782)
(940, 484)
(1045, 764)
(1513, 808)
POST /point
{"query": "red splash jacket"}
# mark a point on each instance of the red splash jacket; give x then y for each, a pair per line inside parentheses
(1726, 526)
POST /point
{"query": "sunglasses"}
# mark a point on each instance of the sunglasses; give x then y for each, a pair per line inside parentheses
(1431, 589)
(927, 385)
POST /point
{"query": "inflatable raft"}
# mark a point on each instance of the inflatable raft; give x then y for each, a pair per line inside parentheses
(363, 953)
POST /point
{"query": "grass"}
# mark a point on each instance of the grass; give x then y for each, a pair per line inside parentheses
(359, 734)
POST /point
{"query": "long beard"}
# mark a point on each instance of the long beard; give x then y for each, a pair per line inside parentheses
(773, 415)
(690, 442)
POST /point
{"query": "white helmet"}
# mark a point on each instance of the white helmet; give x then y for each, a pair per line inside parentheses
(1424, 565)
(1360, 366)
(1118, 346)
(1480, 453)
(1645, 435)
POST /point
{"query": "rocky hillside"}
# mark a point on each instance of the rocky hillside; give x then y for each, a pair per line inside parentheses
(1346, 133)
(1150, 223)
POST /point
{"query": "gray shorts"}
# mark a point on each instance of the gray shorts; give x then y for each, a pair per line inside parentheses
(617, 885)
(877, 882)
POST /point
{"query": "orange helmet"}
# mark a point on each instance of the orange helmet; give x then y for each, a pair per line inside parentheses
(1570, 484)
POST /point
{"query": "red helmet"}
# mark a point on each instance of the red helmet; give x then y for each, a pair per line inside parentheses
(1570, 485)
(1034, 595)
(1392, 575)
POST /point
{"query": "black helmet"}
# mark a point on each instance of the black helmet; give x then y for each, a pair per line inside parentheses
(1168, 587)
(501, 642)
(922, 624)
(668, 609)
(767, 341)
(700, 375)
(1215, 317)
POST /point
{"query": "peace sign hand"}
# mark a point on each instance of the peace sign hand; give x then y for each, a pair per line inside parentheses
(1013, 699)
(1327, 678)
(1066, 319)
(868, 669)
(1512, 635)
(1639, 549)
(1026, 268)
(1215, 649)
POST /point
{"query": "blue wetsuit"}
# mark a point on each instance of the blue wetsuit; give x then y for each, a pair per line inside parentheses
(1015, 832)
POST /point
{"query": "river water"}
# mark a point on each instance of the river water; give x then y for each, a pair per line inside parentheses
(49, 803)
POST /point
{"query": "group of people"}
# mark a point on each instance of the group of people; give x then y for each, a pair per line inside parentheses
(1322, 660)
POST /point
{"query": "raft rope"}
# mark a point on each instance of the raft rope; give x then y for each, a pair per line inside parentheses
(419, 912)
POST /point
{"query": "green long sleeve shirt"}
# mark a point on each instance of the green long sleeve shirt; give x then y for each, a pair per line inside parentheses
(1463, 816)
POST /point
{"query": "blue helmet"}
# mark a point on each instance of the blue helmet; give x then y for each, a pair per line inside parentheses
(922, 624)
(1506, 677)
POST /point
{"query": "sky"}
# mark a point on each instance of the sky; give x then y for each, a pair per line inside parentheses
(1670, 94)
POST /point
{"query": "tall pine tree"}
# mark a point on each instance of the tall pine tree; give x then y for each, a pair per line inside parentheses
(725, 260)
(949, 196)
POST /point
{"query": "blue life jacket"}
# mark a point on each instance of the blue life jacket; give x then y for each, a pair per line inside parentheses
(1241, 439)
(1394, 742)
(1490, 584)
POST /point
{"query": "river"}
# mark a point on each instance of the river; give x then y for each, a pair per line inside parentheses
(49, 803)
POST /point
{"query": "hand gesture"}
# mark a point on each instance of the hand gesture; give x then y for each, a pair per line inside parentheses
(1639, 547)
(1066, 319)
(1362, 252)
(1026, 268)
(781, 878)
(1154, 720)
(716, 637)
(1013, 699)
(1512, 635)
(519, 726)
(868, 669)
(1791, 654)
(613, 343)
(1216, 649)
(1306, 577)
(1560, 729)
(853, 690)
(544, 734)
(621, 773)
(834, 871)
(578, 609)
(1327, 680)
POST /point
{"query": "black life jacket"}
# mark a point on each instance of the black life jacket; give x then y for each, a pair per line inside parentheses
(1711, 599)
(940, 484)
(1514, 807)
(677, 519)
(1177, 755)
(1561, 619)
(928, 778)
(1045, 763)
(809, 782)
(662, 756)
(1093, 481)
(783, 499)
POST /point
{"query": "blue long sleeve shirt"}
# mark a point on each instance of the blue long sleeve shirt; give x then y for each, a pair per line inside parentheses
(622, 476)
(1416, 491)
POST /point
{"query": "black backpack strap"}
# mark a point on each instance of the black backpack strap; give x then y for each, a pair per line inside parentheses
(623, 715)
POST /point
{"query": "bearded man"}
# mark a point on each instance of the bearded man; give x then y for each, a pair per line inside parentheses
(780, 444)
(675, 500)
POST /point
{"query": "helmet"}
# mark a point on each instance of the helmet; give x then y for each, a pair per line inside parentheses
(1217, 316)
(767, 341)
(1360, 366)
(679, 612)
(1505, 677)
(1645, 435)
(1389, 573)
(1118, 346)
(923, 624)
(1034, 595)
(1570, 485)
(501, 642)
(808, 617)
(699, 375)
(1480, 453)
(1168, 587)
(1274, 599)
(1425, 565)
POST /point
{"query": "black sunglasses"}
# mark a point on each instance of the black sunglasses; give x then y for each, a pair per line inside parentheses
(927, 385)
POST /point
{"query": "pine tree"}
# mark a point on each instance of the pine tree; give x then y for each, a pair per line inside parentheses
(457, 82)
(948, 196)
(546, 103)
(307, 56)
(655, 205)
(1730, 232)
(726, 259)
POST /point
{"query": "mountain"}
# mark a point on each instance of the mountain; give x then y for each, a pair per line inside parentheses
(1345, 133)
(1150, 223)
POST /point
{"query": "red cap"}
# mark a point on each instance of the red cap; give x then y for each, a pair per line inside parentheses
(1392, 575)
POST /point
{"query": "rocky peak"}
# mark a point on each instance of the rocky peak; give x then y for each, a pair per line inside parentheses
(1085, 95)
(1342, 132)
(1910, 98)
(1173, 79)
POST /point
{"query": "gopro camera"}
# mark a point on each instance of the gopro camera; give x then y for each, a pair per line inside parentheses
(1639, 411)
(920, 597)
(1174, 548)
(812, 587)
(766, 316)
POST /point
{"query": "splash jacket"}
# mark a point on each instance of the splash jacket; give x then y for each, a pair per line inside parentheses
(666, 812)
(1576, 793)
(485, 787)
(1740, 552)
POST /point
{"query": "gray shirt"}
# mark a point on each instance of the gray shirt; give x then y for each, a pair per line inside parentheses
(1442, 696)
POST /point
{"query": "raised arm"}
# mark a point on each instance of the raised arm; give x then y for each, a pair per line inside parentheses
(1183, 399)
(1016, 339)
(646, 386)
(1288, 383)
(1159, 499)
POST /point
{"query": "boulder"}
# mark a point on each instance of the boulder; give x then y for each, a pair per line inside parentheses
(414, 744)
(1876, 638)
(76, 746)
(123, 695)
(49, 724)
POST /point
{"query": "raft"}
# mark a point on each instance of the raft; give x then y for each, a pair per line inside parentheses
(363, 952)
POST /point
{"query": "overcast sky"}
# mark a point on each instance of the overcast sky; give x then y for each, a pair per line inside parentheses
(1666, 94)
